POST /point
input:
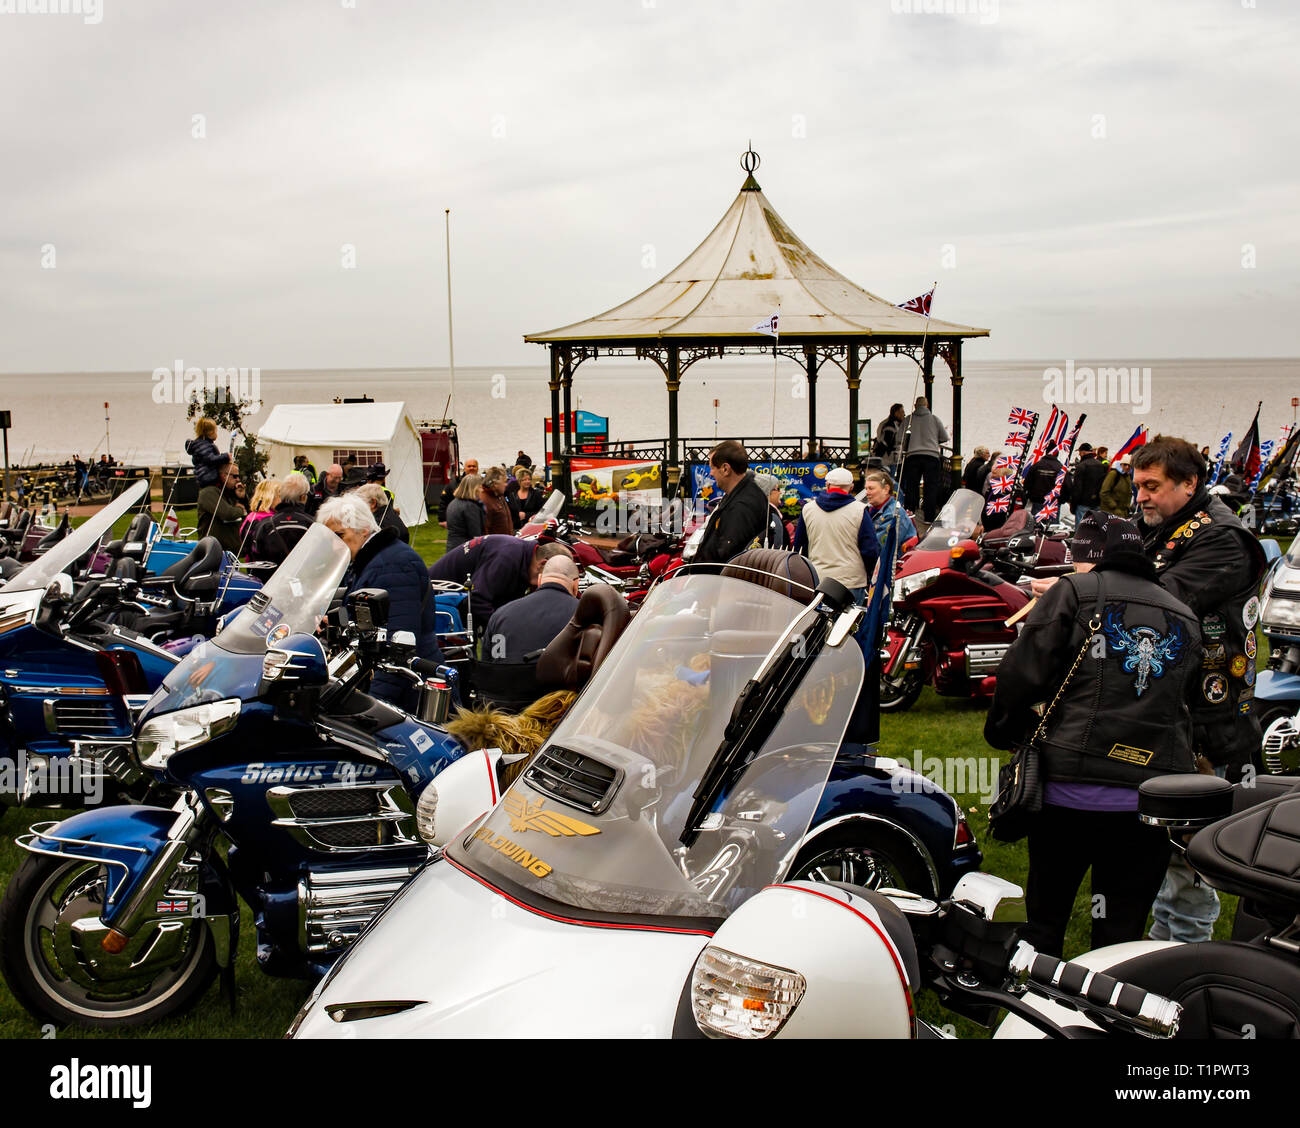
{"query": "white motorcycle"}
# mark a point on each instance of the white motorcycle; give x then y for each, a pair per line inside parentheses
(632, 880)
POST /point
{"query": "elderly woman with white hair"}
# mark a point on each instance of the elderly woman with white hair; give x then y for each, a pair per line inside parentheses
(380, 560)
(381, 505)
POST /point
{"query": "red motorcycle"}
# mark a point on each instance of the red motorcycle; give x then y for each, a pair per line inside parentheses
(948, 627)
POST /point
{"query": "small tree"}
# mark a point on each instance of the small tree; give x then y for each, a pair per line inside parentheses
(227, 410)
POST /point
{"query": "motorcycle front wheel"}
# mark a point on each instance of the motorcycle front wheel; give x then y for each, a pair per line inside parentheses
(870, 857)
(897, 695)
(52, 958)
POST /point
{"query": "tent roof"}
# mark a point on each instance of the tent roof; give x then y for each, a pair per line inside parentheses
(333, 424)
(750, 266)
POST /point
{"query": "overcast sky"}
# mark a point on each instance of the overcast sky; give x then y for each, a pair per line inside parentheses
(586, 146)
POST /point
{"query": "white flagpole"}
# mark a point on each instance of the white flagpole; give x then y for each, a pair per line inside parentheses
(451, 347)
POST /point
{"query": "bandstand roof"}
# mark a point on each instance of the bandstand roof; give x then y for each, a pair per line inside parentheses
(750, 266)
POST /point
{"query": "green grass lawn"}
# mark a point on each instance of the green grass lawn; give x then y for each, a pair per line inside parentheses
(934, 727)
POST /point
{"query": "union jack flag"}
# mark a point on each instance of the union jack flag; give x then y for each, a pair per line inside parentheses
(165, 908)
(1000, 486)
(1049, 510)
(998, 505)
(919, 304)
(1019, 417)
(1017, 438)
(1001, 461)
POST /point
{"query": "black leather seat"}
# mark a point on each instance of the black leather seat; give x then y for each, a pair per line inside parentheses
(198, 575)
(1254, 853)
(585, 640)
(50, 539)
(1226, 989)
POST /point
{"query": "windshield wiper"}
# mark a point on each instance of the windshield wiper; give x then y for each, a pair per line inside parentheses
(763, 699)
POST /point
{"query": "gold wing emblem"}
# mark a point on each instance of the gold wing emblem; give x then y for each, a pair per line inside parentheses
(531, 816)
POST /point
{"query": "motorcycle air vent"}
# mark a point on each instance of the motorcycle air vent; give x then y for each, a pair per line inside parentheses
(573, 778)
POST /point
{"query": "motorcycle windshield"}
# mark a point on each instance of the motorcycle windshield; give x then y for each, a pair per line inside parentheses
(81, 540)
(595, 822)
(293, 601)
(550, 509)
(958, 518)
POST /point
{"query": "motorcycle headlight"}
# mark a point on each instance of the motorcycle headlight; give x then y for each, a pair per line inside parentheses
(426, 814)
(908, 585)
(1283, 612)
(162, 737)
(734, 997)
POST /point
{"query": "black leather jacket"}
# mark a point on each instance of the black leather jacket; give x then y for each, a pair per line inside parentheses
(1123, 717)
(739, 519)
(1206, 558)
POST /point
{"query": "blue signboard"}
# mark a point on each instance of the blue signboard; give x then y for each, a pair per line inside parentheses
(801, 480)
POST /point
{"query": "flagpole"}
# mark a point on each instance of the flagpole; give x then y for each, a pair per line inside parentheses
(920, 371)
(451, 347)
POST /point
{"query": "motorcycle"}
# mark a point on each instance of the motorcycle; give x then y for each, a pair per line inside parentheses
(1277, 689)
(948, 625)
(123, 915)
(1240, 839)
(69, 681)
(710, 756)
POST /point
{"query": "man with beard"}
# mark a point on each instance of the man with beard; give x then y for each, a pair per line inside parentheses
(1208, 560)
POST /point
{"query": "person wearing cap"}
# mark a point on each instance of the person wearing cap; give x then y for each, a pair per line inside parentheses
(836, 533)
(377, 474)
(1116, 493)
(1083, 483)
(1122, 718)
(775, 536)
(519, 629)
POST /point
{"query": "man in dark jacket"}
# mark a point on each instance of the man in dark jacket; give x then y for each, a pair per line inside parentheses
(972, 478)
(525, 626)
(1083, 483)
(276, 536)
(330, 484)
(1121, 718)
(497, 569)
(221, 508)
(1041, 477)
(1206, 558)
(740, 518)
(380, 560)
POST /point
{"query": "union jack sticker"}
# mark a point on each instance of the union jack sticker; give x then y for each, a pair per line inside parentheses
(172, 908)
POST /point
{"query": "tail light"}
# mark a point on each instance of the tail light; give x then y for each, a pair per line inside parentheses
(122, 672)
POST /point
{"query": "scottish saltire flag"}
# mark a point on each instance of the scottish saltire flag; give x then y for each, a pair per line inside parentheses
(768, 325)
(1136, 439)
(1220, 459)
(1265, 451)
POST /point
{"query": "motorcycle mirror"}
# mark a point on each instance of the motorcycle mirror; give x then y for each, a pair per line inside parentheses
(835, 594)
(991, 898)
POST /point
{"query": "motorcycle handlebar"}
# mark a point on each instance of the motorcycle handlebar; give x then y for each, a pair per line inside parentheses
(1082, 988)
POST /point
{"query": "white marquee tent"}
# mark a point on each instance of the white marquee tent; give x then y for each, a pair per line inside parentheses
(319, 429)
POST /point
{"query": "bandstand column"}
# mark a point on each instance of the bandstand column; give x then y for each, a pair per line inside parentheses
(557, 469)
(810, 360)
(674, 381)
(954, 362)
(855, 381)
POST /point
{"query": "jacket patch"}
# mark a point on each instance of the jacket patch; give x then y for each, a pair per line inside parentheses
(1143, 649)
(1214, 688)
(1130, 755)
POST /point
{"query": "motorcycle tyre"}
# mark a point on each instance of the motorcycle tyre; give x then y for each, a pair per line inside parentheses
(33, 875)
(892, 701)
(878, 841)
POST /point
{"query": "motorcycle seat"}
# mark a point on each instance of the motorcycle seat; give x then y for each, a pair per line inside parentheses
(576, 653)
(9, 567)
(1227, 989)
(198, 575)
(1254, 853)
(786, 573)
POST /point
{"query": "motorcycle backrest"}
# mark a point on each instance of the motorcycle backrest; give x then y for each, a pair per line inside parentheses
(198, 575)
(586, 640)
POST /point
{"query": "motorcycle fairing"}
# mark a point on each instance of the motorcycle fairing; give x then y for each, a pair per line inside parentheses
(524, 975)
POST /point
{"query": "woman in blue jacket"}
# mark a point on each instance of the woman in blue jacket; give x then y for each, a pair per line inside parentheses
(380, 560)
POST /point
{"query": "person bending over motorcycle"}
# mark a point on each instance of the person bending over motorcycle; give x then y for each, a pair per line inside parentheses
(380, 560)
(526, 625)
(1120, 719)
(497, 569)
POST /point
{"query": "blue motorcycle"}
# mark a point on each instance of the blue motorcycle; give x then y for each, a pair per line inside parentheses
(67, 679)
(123, 916)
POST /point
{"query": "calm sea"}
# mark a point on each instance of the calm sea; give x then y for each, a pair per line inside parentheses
(501, 410)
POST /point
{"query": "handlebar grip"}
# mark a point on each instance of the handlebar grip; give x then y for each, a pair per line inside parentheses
(426, 666)
(1073, 983)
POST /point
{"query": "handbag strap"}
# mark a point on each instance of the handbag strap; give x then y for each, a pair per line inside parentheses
(1094, 625)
